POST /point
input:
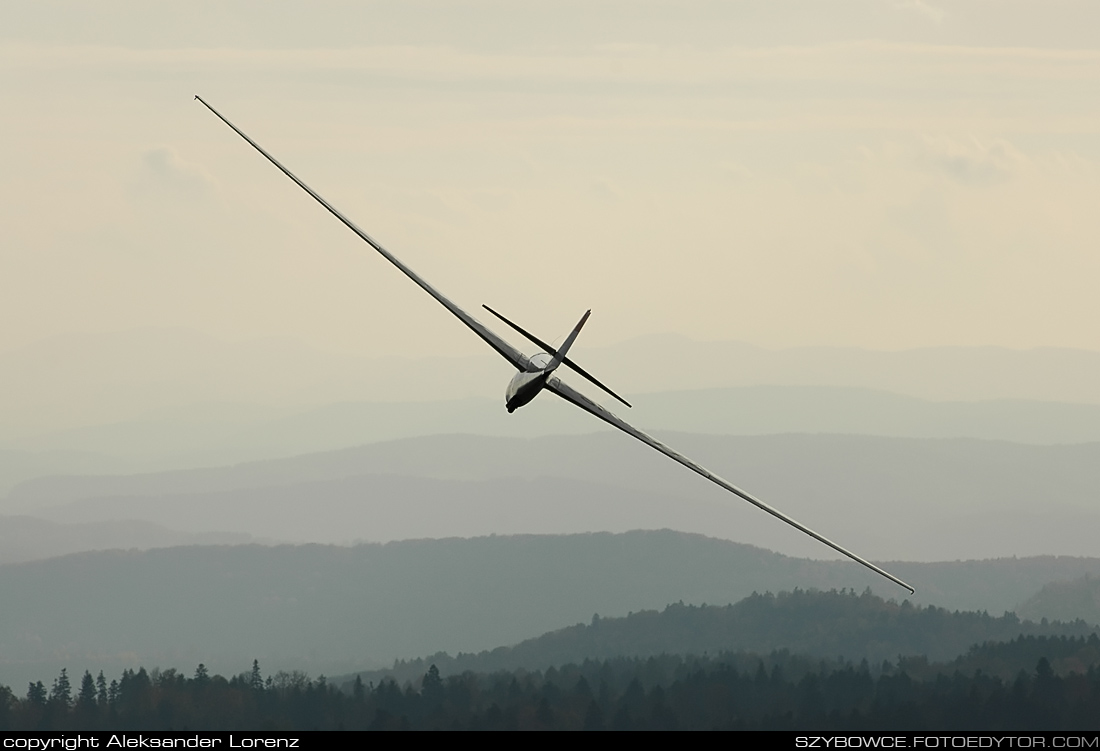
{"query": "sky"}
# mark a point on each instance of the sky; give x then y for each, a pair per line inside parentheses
(884, 174)
(877, 174)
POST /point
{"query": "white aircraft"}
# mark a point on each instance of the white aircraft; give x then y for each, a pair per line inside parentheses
(536, 373)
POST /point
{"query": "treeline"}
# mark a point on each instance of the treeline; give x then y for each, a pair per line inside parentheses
(727, 691)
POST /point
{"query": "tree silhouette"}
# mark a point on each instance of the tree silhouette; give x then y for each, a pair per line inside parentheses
(62, 691)
(86, 699)
(255, 680)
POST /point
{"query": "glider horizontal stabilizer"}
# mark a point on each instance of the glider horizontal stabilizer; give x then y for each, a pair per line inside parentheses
(553, 353)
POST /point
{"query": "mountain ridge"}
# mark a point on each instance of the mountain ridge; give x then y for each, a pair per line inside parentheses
(919, 499)
(328, 608)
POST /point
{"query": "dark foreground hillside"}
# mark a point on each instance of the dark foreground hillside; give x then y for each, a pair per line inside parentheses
(669, 692)
(1007, 681)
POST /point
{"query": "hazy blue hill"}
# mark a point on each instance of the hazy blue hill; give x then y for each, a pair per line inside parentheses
(916, 499)
(80, 379)
(327, 608)
(122, 375)
(766, 409)
(18, 465)
(387, 508)
(938, 373)
(221, 433)
(1078, 598)
(165, 399)
(24, 538)
(819, 624)
(170, 396)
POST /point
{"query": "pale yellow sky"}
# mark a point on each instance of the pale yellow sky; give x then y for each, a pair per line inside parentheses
(877, 173)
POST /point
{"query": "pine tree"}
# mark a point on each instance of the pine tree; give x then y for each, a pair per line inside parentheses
(431, 687)
(7, 704)
(255, 680)
(36, 694)
(62, 691)
(86, 700)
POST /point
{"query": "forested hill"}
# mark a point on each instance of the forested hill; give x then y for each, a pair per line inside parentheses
(821, 624)
(333, 609)
(1059, 599)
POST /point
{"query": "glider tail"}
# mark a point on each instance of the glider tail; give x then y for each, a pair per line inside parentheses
(558, 355)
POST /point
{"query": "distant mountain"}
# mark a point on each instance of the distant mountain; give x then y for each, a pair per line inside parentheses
(226, 433)
(163, 399)
(936, 373)
(77, 380)
(913, 499)
(1078, 598)
(23, 538)
(329, 609)
(17, 466)
(762, 410)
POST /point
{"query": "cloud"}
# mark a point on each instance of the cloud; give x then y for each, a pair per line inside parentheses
(972, 161)
(167, 170)
(919, 6)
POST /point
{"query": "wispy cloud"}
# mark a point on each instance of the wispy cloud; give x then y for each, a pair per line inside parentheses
(930, 12)
(165, 168)
(973, 161)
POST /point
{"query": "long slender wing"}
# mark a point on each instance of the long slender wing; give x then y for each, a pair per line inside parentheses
(510, 353)
(563, 390)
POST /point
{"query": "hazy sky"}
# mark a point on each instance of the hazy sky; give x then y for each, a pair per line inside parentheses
(878, 173)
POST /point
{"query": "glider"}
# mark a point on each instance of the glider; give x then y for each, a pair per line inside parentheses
(536, 373)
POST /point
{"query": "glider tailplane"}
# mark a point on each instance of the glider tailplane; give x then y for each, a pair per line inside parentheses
(559, 355)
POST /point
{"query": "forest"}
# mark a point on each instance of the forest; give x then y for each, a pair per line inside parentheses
(782, 692)
(1027, 682)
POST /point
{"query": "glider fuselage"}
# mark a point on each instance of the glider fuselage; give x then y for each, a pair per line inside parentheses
(526, 384)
